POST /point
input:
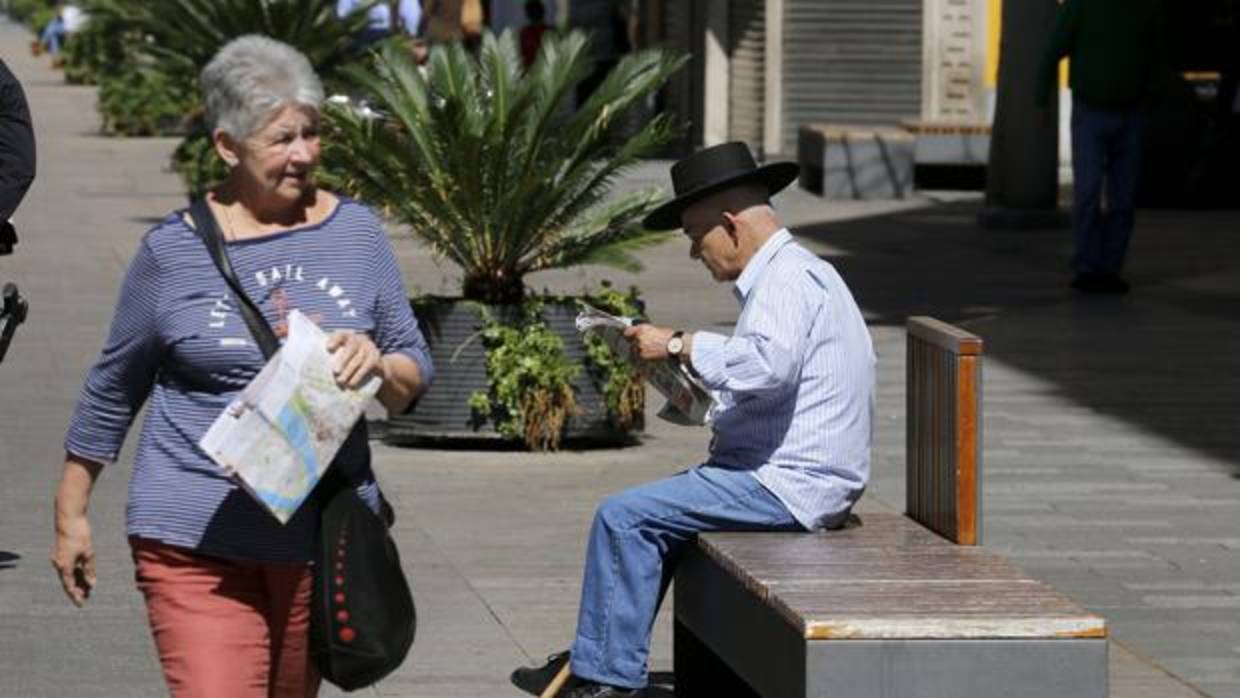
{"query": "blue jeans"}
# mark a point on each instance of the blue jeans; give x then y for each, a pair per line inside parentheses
(53, 35)
(635, 542)
(1106, 145)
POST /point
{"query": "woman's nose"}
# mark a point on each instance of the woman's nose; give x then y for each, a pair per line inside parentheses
(299, 150)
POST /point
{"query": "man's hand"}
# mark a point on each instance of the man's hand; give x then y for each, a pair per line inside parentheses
(649, 341)
(355, 358)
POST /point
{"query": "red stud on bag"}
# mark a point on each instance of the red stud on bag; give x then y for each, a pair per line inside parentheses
(346, 634)
(342, 616)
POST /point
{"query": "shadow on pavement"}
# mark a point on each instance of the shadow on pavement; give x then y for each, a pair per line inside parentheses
(8, 560)
(1165, 358)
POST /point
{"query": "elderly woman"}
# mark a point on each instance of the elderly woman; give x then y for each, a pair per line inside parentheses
(227, 587)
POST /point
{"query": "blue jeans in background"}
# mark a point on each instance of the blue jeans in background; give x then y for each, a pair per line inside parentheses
(1106, 147)
(635, 542)
(53, 35)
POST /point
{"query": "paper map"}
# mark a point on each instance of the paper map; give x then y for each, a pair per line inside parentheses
(280, 434)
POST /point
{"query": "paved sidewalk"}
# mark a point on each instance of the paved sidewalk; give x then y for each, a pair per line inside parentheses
(1111, 465)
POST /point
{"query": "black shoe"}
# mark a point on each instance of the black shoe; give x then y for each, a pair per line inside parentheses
(1113, 283)
(1087, 282)
(589, 689)
(1093, 282)
(534, 680)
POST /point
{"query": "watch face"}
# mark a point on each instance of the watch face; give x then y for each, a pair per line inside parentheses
(675, 345)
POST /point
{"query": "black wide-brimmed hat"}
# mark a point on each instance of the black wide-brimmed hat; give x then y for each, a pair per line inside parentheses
(712, 170)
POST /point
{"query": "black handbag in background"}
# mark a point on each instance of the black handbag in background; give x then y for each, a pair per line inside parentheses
(362, 616)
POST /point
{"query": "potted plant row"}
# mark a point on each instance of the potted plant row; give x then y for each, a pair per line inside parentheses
(498, 173)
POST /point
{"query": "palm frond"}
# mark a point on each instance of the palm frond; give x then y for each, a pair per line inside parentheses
(492, 168)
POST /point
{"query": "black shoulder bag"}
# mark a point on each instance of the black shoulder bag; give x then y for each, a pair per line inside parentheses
(362, 617)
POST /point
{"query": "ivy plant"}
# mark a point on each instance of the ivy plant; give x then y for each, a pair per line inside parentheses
(530, 395)
(622, 387)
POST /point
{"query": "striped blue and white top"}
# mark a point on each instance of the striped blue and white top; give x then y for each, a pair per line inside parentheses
(178, 339)
(794, 383)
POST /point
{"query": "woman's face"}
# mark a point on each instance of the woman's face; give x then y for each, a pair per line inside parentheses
(279, 158)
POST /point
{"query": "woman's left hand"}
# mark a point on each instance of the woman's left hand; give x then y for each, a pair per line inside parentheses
(355, 358)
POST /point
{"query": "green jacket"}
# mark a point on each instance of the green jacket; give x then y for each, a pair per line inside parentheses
(1117, 50)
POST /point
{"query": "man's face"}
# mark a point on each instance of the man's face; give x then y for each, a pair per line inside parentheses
(712, 240)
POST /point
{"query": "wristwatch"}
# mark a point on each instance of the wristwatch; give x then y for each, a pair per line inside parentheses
(676, 344)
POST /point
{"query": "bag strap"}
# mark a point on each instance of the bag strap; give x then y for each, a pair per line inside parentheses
(204, 225)
(206, 228)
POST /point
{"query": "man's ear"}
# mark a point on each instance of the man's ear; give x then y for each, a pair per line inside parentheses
(227, 148)
(731, 225)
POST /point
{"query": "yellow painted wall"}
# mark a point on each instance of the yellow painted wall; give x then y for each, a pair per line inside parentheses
(994, 26)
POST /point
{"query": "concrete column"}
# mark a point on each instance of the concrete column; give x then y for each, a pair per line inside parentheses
(773, 75)
(1022, 180)
(715, 65)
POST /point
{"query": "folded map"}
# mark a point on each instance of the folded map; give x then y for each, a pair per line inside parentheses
(280, 434)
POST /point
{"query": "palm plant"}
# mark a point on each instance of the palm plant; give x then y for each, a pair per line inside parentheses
(167, 42)
(180, 36)
(492, 169)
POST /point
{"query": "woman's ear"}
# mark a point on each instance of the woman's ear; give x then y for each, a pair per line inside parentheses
(226, 147)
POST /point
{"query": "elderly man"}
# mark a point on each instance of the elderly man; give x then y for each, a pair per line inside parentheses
(790, 451)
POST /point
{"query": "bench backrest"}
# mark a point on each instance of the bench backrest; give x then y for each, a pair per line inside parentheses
(944, 441)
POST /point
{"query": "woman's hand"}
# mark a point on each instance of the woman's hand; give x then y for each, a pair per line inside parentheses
(73, 553)
(356, 358)
(73, 557)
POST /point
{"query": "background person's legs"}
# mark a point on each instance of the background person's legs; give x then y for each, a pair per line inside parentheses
(1123, 168)
(634, 540)
(1088, 157)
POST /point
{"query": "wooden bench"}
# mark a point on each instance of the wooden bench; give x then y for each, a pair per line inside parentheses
(891, 606)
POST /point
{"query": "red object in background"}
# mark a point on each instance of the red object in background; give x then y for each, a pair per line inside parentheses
(531, 41)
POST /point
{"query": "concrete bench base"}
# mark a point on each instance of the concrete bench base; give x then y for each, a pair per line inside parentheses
(744, 625)
(855, 162)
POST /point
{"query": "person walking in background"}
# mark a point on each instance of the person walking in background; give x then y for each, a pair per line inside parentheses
(532, 32)
(53, 34)
(226, 585)
(511, 14)
(386, 18)
(1117, 53)
(612, 28)
(17, 154)
(454, 20)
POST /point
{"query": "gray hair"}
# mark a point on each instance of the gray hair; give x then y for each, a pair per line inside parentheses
(252, 77)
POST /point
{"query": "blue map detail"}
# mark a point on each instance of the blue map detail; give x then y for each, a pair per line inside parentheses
(293, 425)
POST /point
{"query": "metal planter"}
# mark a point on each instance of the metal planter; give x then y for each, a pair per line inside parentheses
(442, 417)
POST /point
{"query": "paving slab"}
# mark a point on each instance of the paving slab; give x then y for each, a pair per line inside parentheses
(1111, 452)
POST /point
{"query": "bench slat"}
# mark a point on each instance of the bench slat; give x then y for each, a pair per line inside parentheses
(889, 578)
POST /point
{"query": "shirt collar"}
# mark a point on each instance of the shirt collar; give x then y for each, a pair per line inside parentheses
(761, 259)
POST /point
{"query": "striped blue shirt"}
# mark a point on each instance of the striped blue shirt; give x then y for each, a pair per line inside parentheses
(794, 384)
(177, 339)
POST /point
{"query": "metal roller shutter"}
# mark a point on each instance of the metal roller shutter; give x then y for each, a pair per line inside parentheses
(679, 97)
(850, 61)
(746, 79)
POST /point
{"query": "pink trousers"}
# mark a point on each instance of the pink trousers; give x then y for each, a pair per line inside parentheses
(227, 629)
